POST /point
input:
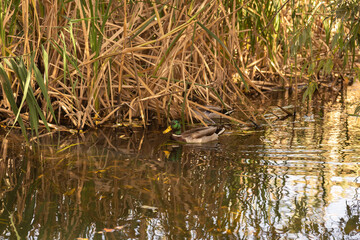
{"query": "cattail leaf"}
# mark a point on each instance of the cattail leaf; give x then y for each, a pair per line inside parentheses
(10, 97)
(40, 82)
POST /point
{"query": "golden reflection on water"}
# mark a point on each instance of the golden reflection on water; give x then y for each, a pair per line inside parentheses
(298, 179)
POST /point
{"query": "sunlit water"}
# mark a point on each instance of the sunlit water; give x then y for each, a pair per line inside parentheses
(298, 179)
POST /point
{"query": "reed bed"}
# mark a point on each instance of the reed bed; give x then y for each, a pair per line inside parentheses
(86, 63)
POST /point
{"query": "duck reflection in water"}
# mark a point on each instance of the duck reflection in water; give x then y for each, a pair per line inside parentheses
(174, 153)
(174, 150)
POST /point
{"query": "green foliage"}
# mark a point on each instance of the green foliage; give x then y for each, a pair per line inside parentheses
(24, 74)
(310, 90)
(6, 85)
(346, 41)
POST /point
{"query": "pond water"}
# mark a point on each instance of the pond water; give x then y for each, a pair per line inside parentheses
(296, 179)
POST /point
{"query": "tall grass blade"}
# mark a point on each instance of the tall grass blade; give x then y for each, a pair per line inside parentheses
(10, 97)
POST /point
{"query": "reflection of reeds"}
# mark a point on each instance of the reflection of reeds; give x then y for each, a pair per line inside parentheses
(68, 193)
(78, 185)
(84, 63)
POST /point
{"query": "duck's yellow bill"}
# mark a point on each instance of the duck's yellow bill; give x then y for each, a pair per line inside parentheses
(167, 130)
(167, 154)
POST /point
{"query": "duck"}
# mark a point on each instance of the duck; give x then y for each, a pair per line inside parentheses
(210, 113)
(214, 115)
(196, 135)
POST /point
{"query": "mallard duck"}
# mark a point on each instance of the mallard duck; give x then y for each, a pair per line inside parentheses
(196, 135)
(210, 113)
(214, 115)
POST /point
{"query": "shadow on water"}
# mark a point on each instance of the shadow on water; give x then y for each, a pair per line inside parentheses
(296, 179)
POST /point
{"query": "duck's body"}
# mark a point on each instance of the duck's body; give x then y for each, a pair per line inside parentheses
(214, 115)
(210, 113)
(196, 135)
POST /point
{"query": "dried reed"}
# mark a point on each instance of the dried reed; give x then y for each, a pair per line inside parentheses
(82, 63)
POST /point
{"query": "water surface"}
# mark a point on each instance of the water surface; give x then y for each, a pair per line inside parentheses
(295, 179)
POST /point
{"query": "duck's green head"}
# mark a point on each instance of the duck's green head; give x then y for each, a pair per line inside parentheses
(175, 126)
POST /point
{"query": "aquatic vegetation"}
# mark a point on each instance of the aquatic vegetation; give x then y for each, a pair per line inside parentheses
(88, 63)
